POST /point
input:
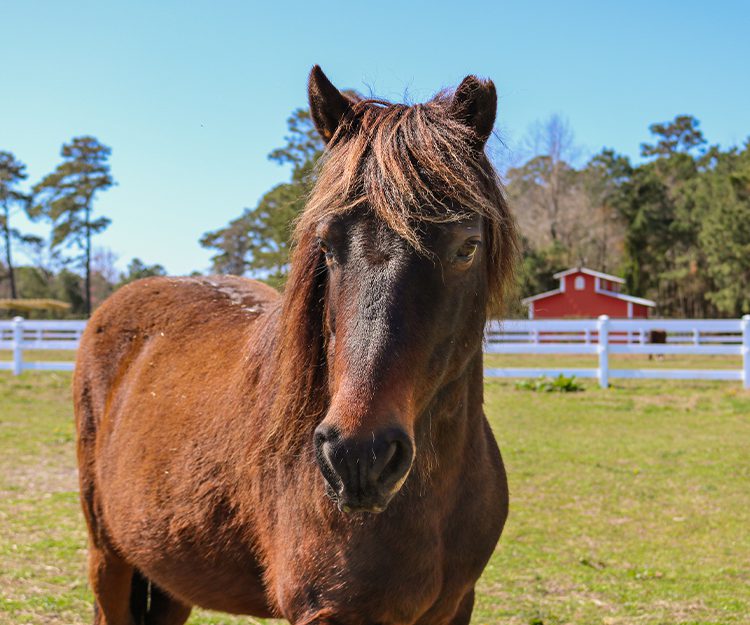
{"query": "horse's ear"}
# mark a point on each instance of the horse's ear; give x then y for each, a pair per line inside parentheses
(475, 104)
(328, 106)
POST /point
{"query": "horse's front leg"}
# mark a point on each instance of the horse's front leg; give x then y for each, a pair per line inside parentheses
(465, 608)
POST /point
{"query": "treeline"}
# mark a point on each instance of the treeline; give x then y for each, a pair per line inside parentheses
(64, 199)
(676, 225)
(67, 277)
(45, 287)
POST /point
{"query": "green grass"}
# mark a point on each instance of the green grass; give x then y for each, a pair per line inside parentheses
(41, 355)
(628, 505)
(620, 361)
(616, 361)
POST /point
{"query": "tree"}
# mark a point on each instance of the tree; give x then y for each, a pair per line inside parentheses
(104, 275)
(12, 172)
(66, 198)
(232, 245)
(644, 204)
(543, 188)
(258, 240)
(600, 227)
(137, 269)
(665, 260)
(723, 197)
(681, 135)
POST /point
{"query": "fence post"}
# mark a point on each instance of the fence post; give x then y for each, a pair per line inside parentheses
(745, 324)
(603, 349)
(17, 345)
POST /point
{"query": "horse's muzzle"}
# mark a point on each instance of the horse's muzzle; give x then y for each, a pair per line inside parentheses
(363, 475)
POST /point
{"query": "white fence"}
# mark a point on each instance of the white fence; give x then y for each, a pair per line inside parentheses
(600, 337)
(605, 336)
(21, 335)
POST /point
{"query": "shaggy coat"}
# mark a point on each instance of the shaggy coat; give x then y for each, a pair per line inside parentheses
(320, 456)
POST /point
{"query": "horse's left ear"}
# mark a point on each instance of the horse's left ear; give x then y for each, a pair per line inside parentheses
(475, 104)
(328, 106)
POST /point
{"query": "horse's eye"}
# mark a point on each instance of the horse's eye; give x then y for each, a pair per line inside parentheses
(327, 253)
(466, 252)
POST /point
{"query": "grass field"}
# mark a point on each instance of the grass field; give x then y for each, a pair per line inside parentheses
(617, 361)
(629, 505)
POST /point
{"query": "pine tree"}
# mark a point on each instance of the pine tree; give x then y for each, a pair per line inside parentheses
(66, 198)
(12, 172)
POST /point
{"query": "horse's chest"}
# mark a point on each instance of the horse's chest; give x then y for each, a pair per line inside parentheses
(367, 579)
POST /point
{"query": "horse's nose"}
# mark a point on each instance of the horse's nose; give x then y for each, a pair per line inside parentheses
(363, 473)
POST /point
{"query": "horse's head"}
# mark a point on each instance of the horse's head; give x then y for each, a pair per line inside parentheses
(410, 239)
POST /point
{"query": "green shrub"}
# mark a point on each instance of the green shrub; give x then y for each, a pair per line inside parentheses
(546, 384)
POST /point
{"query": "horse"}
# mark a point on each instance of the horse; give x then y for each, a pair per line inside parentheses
(320, 455)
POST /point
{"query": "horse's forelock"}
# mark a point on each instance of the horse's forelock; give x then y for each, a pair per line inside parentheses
(410, 165)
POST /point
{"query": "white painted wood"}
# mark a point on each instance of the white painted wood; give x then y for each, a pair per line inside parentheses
(746, 351)
(602, 327)
(601, 337)
(531, 372)
(17, 345)
(20, 335)
(676, 325)
(726, 337)
(62, 344)
(50, 366)
(709, 350)
(677, 374)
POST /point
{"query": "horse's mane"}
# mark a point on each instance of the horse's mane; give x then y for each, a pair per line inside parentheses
(408, 165)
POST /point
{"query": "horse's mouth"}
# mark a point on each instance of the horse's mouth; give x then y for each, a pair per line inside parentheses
(352, 508)
(358, 503)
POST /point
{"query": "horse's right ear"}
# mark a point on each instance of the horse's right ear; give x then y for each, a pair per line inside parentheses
(328, 106)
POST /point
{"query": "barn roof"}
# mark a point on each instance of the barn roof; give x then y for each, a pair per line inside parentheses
(597, 274)
(628, 298)
(590, 272)
(533, 298)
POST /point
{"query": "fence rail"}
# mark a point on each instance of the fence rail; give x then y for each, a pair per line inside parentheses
(600, 337)
(605, 336)
(22, 335)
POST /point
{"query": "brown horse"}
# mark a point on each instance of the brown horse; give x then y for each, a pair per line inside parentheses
(320, 456)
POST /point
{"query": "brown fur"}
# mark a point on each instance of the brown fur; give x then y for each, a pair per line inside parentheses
(196, 400)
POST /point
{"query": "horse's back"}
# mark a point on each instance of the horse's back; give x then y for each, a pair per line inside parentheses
(173, 311)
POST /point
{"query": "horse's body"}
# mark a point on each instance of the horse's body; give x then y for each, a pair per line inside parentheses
(197, 401)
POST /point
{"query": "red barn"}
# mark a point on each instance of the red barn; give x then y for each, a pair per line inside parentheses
(587, 293)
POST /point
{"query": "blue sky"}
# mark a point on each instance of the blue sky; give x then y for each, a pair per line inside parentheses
(192, 96)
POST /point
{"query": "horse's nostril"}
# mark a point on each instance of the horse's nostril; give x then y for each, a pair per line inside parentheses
(363, 474)
(325, 439)
(395, 459)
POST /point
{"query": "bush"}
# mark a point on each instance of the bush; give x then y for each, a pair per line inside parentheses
(546, 384)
